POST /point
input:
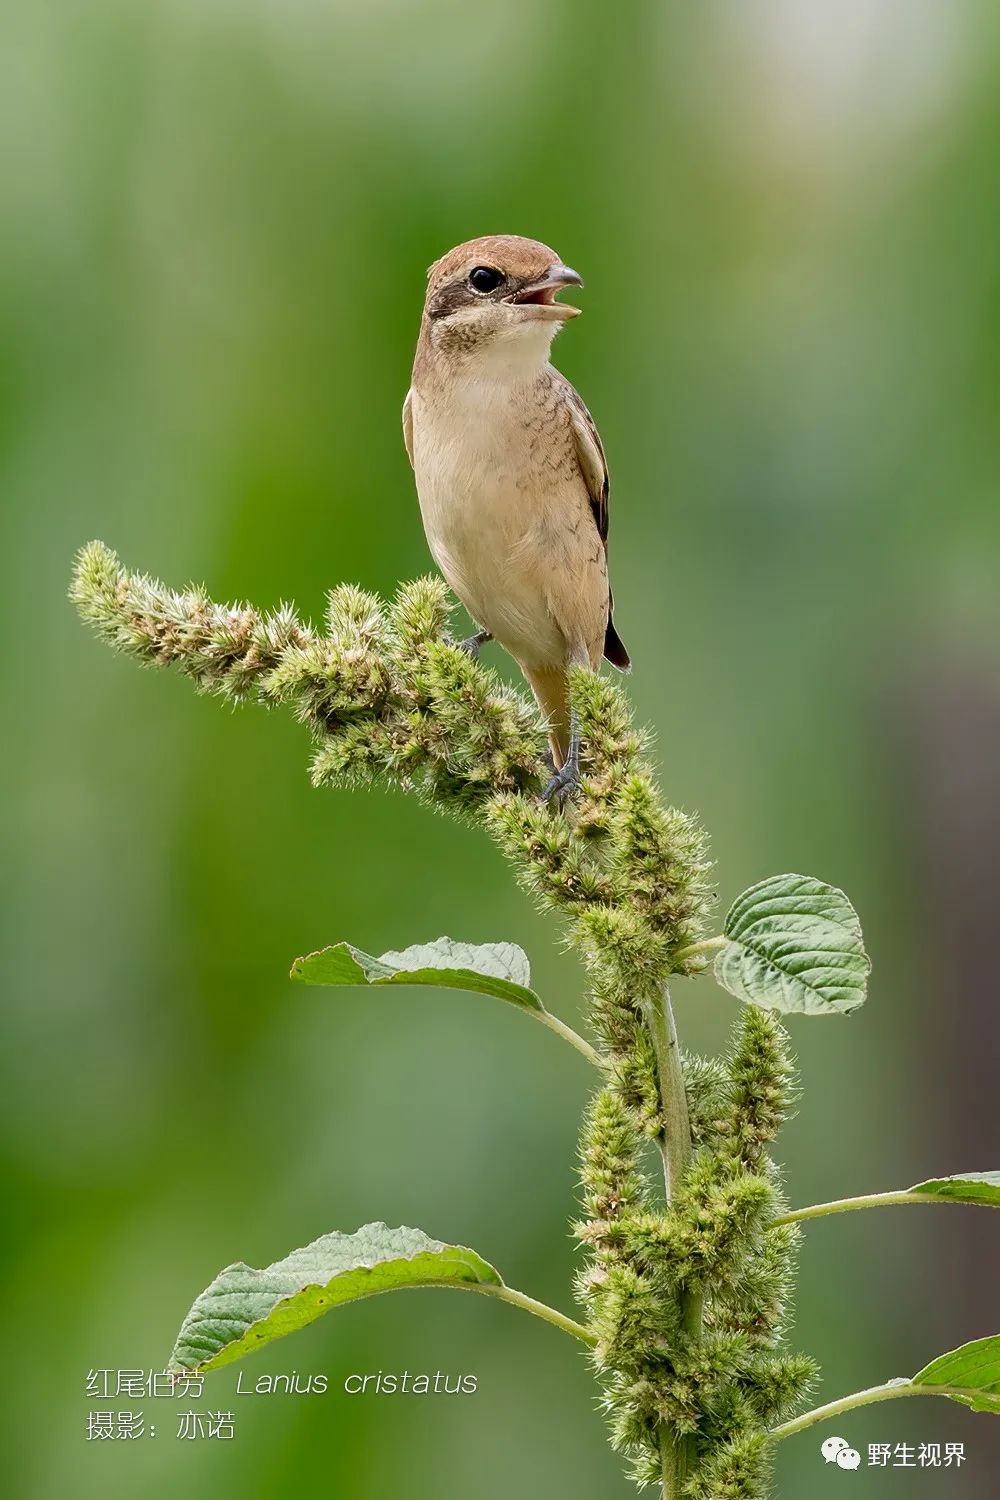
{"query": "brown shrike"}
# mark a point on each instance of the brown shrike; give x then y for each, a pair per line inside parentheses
(510, 472)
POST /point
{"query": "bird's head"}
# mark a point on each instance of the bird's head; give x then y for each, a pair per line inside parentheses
(495, 296)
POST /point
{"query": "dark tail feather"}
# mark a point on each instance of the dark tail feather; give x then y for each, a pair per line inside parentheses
(614, 648)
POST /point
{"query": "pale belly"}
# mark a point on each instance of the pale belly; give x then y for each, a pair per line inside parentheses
(497, 535)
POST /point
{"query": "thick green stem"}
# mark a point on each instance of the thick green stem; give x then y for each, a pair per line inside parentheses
(676, 1452)
(673, 1462)
(675, 1138)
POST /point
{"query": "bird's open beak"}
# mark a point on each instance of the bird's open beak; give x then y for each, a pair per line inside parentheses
(540, 295)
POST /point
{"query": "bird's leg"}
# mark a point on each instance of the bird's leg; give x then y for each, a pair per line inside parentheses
(567, 778)
(474, 643)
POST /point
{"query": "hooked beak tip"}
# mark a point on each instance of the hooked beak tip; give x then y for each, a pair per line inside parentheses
(541, 295)
(565, 276)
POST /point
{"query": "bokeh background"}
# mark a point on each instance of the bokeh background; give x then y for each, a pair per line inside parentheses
(216, 220)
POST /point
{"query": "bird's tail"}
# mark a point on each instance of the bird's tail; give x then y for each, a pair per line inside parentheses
(551, 687)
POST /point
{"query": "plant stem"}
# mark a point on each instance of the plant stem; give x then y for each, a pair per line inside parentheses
(891, 1391)
(707, 945)
(675, 1139)
(849, 1205)
(540, 1310)
(673, 1462)
(676, 1452)
(568, 1034)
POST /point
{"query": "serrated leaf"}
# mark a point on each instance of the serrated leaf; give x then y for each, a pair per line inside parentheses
(966, 1187)
(499, 969)
(794, 944)
(244, 1308)
(969, 1375)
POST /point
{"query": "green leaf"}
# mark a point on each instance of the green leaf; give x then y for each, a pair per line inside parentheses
(981, 1188)
(499, 969)
(967, 1187)
(794, 944)
(244, 1308)
(970, 1375)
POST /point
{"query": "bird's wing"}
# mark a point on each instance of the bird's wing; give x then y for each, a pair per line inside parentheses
(594, 468)
(590, 456)
(408, 425)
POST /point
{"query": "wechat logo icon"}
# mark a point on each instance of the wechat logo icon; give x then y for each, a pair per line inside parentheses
(837, 1450)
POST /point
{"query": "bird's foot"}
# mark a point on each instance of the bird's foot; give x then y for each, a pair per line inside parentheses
(563, 784)
(473, 644)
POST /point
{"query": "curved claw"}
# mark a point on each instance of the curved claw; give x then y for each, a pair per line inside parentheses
(473, 644)
(566, 781)
(563, 784)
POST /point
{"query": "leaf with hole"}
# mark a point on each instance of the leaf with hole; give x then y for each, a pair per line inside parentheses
(794, 943)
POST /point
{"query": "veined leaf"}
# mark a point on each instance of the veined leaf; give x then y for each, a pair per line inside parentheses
(966, 1187)
(970, 1375)
(980, 1188)
(244, 1308)
(499, 969)
(794, 944)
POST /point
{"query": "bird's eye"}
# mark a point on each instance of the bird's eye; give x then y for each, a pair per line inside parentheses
(484, 279)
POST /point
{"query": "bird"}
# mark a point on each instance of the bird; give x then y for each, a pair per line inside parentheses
(511, 476)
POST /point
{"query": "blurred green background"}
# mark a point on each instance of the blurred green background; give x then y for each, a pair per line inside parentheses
(216, 220)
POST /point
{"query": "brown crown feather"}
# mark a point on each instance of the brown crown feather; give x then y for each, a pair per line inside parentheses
(518, 258)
